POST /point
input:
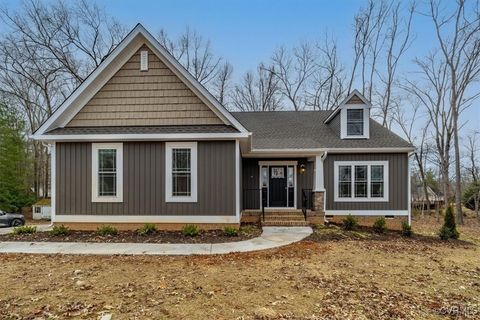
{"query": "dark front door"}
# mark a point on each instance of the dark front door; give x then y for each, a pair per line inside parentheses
(278, 186)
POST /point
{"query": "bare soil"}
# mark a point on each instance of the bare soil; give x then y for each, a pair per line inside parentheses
(332, 275)
(210, 236)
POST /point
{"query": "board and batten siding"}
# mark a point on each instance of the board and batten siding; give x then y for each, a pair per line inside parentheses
(250, 180)
(397, 176)
(144, 181)
(141, 98)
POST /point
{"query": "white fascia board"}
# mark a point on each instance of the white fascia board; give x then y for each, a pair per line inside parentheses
(316, 151)
(138, 137)
(167, 58)
(366, 212)
(84, 218)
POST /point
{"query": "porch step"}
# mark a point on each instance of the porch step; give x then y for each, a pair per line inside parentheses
(284, 223)
(284, 218)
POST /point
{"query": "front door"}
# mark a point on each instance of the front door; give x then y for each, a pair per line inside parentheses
(278, 186)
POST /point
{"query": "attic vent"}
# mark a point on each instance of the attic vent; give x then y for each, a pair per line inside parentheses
(143, 60)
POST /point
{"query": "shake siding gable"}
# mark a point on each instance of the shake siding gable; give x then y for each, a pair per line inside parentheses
(144, 98)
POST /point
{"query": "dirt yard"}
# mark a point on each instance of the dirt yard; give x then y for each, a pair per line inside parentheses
(333, 275)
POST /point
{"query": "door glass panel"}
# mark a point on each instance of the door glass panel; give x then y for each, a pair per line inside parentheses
(264, 177)
(290, 177)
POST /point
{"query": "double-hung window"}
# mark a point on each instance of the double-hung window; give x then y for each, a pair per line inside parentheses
(355, 122)
(181, 172)
(107, 173)
(361, 181)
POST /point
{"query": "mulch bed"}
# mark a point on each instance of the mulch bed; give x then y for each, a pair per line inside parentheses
(213, 236)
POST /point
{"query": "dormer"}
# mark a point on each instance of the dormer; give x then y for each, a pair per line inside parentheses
(353, 115)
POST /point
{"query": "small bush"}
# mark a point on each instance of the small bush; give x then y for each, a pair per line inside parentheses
(107, 231)
(380, 225)
(59, 231)
(406, 229)
(191, 230)
(449, 228)
(147, 229)
(24, 230)
(350, 223)
(230, 231)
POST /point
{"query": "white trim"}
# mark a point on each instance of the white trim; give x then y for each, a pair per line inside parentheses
(409, 191)
(107, 65)
(277, 163)
(138, 137)
(146, 219)
(318, 182)
(237, 178)
(361, 163)
(366, 212)
(256, 153)
(53, 181)
(119, 166)
(366, 121)
(168, 171)
(355, 92)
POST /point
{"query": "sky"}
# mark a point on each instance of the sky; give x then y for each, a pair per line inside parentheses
(247, 32)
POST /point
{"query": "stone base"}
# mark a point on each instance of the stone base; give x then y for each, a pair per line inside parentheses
(92, 226)
(318, 201)
(394, 223)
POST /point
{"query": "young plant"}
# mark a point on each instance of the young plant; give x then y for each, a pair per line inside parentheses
(449, 228)
(406, 229)
(380, 225)
(59, 231)
(106, 230)
(147, 229)
(191, 230)
(24, 230)
(350, 223)
(230, 231)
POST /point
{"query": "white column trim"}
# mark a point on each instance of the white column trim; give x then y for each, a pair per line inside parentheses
(319, 183)
(237, 179)
(53, 177)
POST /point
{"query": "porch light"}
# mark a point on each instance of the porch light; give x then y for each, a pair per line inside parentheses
(302, 168)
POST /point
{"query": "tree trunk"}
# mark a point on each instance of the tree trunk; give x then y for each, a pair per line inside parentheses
(458, 176)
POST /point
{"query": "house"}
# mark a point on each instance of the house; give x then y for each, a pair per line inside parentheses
(140, 140)
(41, 209)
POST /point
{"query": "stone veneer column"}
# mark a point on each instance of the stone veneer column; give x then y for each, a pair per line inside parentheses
(318, 200)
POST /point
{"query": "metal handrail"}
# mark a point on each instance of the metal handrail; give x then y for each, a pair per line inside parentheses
(250, 196)
(306, 201)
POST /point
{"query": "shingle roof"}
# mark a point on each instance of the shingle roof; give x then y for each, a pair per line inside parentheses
(144, 130)
(306, 130)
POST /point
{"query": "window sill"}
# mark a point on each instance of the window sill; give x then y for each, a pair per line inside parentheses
(107, 199)
(173, 199)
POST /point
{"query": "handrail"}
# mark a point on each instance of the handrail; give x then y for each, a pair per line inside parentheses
(306, 201)
(255, 198)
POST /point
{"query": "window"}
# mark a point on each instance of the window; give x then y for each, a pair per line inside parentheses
(181, 172)
(143, 60)
(38, 209)
(354, 122)
(291, 177)
(264, 177)
(107, 173)
(361, 181)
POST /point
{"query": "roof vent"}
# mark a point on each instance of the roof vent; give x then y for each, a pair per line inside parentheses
(144, 60)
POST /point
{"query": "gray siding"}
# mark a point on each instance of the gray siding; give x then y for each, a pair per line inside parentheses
(398, 181)
(250, 179)
(144, 181)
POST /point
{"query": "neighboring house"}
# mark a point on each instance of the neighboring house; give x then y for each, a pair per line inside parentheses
(419, 200)
(41, 209)
(140, 140)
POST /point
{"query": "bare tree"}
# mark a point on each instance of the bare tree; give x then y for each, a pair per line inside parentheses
(257, 91)
(473, 150)
(431, 93)
(458, 36)
(194, 53)
(293, 71)
(221, 84)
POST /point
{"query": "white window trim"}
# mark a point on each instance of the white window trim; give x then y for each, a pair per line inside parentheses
(366, 121)
(352, 198)
(95, 148)
(169, 146)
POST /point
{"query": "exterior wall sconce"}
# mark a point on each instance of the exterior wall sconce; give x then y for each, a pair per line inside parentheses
(302, 168)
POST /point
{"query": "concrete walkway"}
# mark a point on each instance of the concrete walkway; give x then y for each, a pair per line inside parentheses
(272, 237)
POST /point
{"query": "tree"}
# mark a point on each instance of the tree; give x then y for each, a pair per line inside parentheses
(449, 228)
(458, 37)
(471, 195)
(14, 162)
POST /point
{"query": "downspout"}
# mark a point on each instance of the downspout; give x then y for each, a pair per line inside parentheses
(325, 221)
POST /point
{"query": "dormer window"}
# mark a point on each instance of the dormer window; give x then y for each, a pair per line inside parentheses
(355, 122)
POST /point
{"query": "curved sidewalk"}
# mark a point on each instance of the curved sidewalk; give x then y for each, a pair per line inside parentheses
(272, 237)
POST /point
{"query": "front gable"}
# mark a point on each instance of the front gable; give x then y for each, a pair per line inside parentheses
(151, 97)
(118, 93)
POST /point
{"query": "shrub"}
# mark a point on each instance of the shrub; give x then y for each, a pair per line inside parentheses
(59, 231)
(230, 231)
(24, 230)
(191, 230)
(406, 229)
(148, 228)
(350, 223)
(449, 228)
(380, 225)
(107, 231)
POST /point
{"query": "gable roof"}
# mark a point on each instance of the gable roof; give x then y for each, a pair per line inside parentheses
(354, 94)
(112, 63)
(278, 130)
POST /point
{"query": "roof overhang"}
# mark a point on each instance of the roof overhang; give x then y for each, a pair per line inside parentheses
(112, 63)
(269, 153)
